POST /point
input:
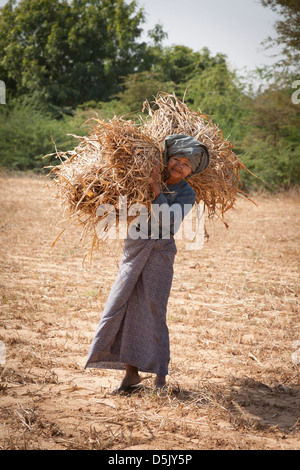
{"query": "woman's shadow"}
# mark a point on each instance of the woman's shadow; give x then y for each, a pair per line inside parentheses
(245, 401)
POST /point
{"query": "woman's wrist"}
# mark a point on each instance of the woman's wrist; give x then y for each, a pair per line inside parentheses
(155, 189)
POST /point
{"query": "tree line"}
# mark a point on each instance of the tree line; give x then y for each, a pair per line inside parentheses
(65, 61)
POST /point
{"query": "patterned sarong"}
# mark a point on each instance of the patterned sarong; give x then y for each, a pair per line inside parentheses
(133, 328)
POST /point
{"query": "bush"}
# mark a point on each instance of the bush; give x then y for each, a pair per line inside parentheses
(28, 133)
(276, 167)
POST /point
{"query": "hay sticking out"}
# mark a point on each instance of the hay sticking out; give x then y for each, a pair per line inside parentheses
(219, 184)
(117, 158)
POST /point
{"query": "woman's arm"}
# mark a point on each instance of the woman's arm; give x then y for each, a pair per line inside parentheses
(167, 218)
(155, 176)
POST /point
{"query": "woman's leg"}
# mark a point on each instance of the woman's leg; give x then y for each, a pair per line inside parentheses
(132, 377)
(145, 335)
(160, 382)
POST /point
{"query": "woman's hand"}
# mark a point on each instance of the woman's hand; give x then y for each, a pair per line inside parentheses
(155, 178)
(155, 175)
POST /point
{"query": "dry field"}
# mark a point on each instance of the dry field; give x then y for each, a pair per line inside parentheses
(233, 317)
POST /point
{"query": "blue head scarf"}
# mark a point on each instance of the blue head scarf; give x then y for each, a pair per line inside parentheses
(180, 145)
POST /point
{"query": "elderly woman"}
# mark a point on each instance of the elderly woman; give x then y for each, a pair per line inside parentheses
(133, 333)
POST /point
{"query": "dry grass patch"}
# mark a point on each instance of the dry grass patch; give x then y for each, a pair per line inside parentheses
(233, 317)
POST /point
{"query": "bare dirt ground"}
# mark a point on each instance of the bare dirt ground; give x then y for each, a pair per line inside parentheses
(233, 317)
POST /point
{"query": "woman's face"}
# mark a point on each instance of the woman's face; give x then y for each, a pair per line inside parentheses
(179, 168)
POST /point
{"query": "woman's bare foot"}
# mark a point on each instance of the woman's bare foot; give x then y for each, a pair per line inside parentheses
(160, 382)
(131, 378)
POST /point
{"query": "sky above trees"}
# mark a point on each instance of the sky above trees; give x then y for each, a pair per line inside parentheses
(234, 27)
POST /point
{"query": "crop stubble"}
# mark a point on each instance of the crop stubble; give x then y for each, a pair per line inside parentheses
(233, 316)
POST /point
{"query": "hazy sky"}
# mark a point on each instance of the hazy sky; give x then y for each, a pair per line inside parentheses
(233, 27)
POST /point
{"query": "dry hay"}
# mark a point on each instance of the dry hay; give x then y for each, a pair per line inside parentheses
(219, 184)
(117, 158)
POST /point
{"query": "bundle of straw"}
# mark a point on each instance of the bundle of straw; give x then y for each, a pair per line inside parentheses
(117, 158)
(219, 184)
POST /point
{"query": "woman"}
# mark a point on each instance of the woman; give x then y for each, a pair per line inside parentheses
(133, 333)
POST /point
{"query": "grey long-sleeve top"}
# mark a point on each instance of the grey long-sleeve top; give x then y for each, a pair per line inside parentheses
(167, 212)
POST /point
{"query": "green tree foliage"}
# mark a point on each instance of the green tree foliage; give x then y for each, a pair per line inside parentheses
(179, 64)
(68, 52)
(274, 116)
(219, 93)
(272, 142)
(172, 69)
(141, 86)
(27, 133)
(287, 28)
(83, 59)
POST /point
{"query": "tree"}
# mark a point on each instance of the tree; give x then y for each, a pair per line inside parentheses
(272, 142)
(288, 28)
(217, 92)
(179, 63)
(157, 34)
(172, 69)
(274, 115)
(142, 86)
(27, 133)
(66, 53)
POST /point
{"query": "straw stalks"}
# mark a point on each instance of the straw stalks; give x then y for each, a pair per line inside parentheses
(117, 158)
(219, 184)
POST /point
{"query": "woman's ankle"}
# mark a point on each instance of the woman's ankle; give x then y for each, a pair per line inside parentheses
(160, 381)
(131, 371)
